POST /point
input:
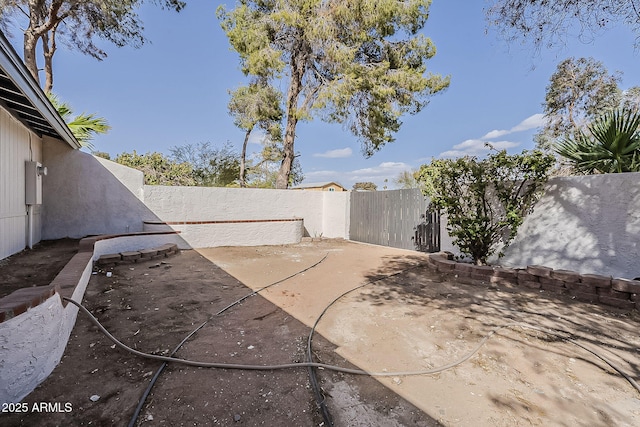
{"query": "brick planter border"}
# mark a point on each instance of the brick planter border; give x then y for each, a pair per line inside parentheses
(605, 290)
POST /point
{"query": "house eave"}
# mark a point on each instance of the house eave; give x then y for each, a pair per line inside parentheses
(22, 96)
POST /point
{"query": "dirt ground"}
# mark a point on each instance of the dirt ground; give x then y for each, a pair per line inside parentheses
(151, 306)
(36, 267)
(414, 320)
(405, 318)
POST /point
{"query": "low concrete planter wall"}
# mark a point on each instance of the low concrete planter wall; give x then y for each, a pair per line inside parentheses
(35, 335)
(606, 290)
(133, 242)
(35, 323)
(207, 234)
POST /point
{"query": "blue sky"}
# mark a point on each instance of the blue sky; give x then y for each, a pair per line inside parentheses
(173, 91)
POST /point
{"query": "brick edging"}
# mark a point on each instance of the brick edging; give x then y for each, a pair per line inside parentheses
(135, 256)
(229, 221)
(593, 288)
(65, 282)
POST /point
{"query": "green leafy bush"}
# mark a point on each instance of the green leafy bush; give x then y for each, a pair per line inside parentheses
(485, 200)
(158, 169)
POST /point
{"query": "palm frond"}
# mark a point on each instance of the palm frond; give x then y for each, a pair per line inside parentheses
(84, 126)
(612, 146)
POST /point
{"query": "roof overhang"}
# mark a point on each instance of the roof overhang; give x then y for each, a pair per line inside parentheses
(21, 95)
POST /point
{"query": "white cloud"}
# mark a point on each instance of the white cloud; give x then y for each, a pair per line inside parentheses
(471, 144)
(336, 154)
(474, 147)
(377, 174)
(502, 145)
(531, 122)
(495, 134)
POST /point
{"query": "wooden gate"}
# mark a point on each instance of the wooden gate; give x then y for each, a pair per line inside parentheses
(427, 236)
(388, 218)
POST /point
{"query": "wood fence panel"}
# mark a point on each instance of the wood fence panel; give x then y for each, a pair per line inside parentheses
(387, 218)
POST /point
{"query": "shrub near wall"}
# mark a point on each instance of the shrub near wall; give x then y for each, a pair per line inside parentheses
(614, 292)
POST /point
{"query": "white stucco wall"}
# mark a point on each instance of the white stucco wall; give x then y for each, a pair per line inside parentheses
(85, 195)
(32, 344)
(131, 178)
(96, 196)
(589, 224)
(335, 218)
(320, 215)
(237, 234)
(34, 338)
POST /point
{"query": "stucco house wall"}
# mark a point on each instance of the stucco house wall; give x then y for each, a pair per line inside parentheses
(28, 122)
(588, 224)
(85, 195)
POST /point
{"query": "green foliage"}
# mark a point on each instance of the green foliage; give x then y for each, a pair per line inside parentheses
(219, 166)
(406, 179)
(485, 200)
(611, 145)
(101, 154)
(631, 99)
(262, 170)
(356, 62)
(208, 166)
(158, 169)
(211, 166)
(256, 105)
(83, 126)
(365, 186)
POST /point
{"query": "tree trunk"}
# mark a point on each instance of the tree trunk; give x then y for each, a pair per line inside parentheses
(282, 181)
(49, 49)
(298, 63)
(41, 21)
(243, 182)
(30, 43)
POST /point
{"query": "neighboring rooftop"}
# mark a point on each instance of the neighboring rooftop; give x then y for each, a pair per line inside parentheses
(320, 186)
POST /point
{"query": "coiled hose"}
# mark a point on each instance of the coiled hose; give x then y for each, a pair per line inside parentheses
(310, 365)
(219, 365)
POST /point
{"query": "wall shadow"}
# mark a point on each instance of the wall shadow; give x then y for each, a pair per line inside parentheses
(475, 310)
(587, 224)
(81, 197)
